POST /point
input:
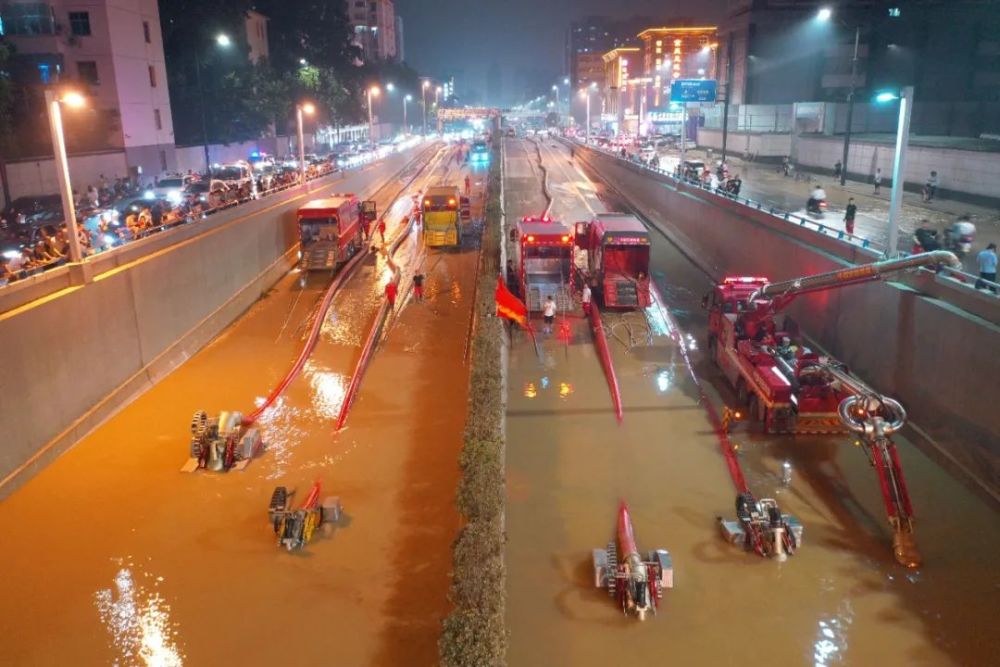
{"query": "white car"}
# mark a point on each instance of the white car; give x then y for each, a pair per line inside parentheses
(170, 187)
(237, 175)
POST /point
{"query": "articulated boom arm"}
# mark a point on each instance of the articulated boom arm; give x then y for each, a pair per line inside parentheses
(782, 293)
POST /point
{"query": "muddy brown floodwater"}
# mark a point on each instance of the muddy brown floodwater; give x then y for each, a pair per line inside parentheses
(113, 556)
(841, 600)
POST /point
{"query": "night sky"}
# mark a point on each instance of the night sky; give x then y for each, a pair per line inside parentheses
(526, 38)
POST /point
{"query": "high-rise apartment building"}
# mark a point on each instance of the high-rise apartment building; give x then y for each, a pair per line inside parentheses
(112, 50)
(374, 24)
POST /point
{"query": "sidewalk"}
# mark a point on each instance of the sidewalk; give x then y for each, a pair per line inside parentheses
(765, 183)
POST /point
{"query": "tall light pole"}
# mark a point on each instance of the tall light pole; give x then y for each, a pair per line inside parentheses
(300, 109)
(556, 89)
(823, 16)
(406, 99)
(373, 91)
(223, 41)
(585, 93)
(423, 92)
(437, 108)
(905, 98)
(53, 103)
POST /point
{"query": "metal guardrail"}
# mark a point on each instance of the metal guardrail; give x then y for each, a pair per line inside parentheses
(958, 278)
(125, 237)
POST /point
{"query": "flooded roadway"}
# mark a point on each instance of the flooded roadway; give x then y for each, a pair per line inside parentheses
(841, 600)
(115, 557)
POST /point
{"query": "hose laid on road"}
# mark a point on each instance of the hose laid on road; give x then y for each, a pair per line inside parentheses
(601, 341)
(376, 330)
(725, 444)
(342, 276)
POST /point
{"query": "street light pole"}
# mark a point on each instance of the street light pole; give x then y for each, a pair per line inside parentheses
(201, 107)
(899, 167)
(372, 91)
(423, 94)
(729, 86)
(850, 106)
(52, 103)
(301, 108)
(406, 98)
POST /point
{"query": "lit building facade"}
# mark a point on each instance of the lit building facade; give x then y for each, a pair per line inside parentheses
(620, 65)
(680, 52)
(256, 30)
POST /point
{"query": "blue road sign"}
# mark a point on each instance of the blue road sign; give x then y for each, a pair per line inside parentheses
(693, 90)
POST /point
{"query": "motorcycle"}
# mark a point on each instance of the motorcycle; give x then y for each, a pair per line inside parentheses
(816, 207)
(959, 238)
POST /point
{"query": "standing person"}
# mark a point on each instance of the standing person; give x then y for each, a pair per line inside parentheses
(877, 180)
(468, 186)
(931, 186)
(786, 165)
(550, 313)
(390, 293)
(849, 213)
(986, 260)
(586, 297)
(837, 168)
(418, 285)
(381, 229)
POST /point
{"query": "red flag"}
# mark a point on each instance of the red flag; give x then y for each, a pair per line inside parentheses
(510, 306)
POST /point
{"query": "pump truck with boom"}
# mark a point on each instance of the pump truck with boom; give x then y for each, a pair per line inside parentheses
(788, 388)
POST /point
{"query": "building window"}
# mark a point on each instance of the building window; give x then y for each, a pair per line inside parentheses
(29, 18)
(79, 23)
(86, 70)
(163, 160)
(44, 73)
(157, 120)
(145, 32)
(152, 76)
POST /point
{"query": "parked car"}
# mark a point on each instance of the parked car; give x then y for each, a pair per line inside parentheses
(32, 210)
(171, 187)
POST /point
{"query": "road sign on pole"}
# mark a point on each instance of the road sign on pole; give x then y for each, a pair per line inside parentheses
(693, 90)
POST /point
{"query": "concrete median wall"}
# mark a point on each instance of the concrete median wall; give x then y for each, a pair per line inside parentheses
(941, 362)
(74, 357)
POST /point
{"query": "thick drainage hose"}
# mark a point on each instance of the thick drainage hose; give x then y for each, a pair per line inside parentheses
(317, 326)
(376, 331)
(725, 444)
(601, 341)
(307, 349)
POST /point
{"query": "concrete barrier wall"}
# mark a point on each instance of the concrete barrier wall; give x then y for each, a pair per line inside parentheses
(73, 358)
(942, 363)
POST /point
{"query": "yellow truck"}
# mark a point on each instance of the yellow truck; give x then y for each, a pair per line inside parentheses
(442, 221)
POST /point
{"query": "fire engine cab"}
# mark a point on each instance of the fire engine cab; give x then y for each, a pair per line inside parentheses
(330, 230)
(545, 250)
(612, 253)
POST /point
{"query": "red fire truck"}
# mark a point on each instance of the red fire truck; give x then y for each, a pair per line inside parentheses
(789, 388)
(330, 230)
(613, 255)
(546, 263)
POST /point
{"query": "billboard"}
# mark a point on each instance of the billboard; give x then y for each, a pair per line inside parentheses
(693, 90)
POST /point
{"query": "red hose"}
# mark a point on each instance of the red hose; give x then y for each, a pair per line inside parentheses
(374, 334)
(307, 349)
(601, 341)
(725, 444)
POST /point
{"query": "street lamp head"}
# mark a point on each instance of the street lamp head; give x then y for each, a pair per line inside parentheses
(222, 39)
(308, 108)
(390, 87)
(555, 87)
(374, 91)
(438, 89)
(824, 14)
(408, 98)
(566, 81)
(73, 99)
(427, 84)
(303, 62)
(886, 96)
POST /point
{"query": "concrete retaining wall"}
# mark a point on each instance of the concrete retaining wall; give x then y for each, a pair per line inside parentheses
(72, 359)
(940, 361)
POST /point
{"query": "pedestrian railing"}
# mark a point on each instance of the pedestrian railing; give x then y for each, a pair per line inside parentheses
(958, 279)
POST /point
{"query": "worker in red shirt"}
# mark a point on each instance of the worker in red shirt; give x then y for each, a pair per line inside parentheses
(381, 229)
(390, 293)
